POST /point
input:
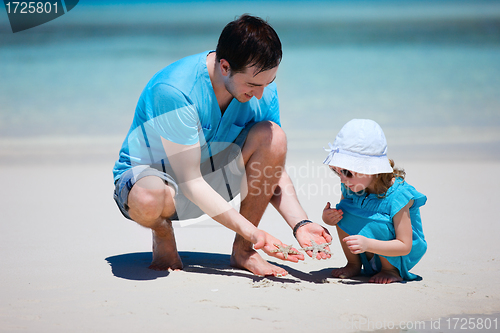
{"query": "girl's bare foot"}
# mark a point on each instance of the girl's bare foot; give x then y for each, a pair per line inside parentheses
(165, 255)
(250, 260)
(350, 270)
(386, 276)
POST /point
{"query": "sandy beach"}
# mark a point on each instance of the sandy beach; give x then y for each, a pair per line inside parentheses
(71, 263)
(427, 71)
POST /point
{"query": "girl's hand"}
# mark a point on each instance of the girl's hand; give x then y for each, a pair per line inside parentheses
(274, 247)
(357, 244)
(331, 216)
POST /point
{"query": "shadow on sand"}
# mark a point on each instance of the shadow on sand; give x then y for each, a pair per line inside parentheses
(134, 266)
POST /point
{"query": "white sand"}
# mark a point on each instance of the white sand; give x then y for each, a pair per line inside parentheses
(71, 263)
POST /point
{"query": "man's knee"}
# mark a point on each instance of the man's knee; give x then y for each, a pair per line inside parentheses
(268, 135)
(147, 201)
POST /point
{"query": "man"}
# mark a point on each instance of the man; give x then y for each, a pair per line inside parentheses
(182, 156)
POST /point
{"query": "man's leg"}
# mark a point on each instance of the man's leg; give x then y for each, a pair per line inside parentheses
(151, 204)
(264, 154)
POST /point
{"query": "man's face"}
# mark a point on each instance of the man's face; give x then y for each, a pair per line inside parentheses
(243, 86)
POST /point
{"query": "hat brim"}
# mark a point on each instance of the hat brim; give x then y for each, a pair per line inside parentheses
(370, 165)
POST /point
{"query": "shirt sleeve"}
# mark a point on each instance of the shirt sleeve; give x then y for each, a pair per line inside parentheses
(273, 112)
(174, 116)
(403, 196)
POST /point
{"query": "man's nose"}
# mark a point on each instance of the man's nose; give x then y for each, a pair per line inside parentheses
(258, 92)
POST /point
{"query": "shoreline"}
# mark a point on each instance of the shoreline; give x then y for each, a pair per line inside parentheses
(48, 150)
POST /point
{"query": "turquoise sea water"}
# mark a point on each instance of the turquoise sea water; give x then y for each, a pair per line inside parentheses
(427, 71)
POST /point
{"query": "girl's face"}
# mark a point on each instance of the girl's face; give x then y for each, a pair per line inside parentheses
(356, 182)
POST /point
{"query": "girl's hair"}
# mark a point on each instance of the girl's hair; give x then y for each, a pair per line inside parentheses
(384, 180)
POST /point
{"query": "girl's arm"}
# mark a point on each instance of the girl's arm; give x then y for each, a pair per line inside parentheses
(400, 246)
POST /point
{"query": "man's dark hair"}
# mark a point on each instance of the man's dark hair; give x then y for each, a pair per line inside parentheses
(249, 41)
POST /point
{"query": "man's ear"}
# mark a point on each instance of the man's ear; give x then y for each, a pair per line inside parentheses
(225, 68)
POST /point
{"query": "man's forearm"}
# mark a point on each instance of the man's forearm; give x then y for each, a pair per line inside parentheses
(211, 203)
(286, 202)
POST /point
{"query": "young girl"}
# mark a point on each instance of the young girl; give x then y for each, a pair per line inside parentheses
(378, 217)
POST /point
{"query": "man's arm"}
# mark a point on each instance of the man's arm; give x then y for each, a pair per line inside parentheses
(185, 162)
(286, 202)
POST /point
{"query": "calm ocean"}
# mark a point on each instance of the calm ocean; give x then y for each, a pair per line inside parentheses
(427, 71)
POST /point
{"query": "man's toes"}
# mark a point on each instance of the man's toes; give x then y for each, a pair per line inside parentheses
(280, 273)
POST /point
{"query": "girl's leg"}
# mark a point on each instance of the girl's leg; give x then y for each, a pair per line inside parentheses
(353, 266)
(387, 274)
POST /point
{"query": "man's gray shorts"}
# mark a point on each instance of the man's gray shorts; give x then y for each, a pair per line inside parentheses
(223, 172)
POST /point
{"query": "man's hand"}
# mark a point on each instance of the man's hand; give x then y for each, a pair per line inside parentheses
(331, 216)
(265, 242)
(315, 232)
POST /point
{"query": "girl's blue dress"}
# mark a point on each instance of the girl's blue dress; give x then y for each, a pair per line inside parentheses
(370, 216)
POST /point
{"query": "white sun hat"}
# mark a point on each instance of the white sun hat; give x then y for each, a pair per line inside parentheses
(360, 147)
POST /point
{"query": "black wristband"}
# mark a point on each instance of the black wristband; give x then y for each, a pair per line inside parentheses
(298, 225)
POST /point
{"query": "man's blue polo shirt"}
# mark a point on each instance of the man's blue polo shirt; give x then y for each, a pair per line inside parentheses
(179, 104)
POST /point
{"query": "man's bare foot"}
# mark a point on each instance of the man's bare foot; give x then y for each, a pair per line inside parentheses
(252, 261)
(165, 255)
(386, 276)
(348, 271)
